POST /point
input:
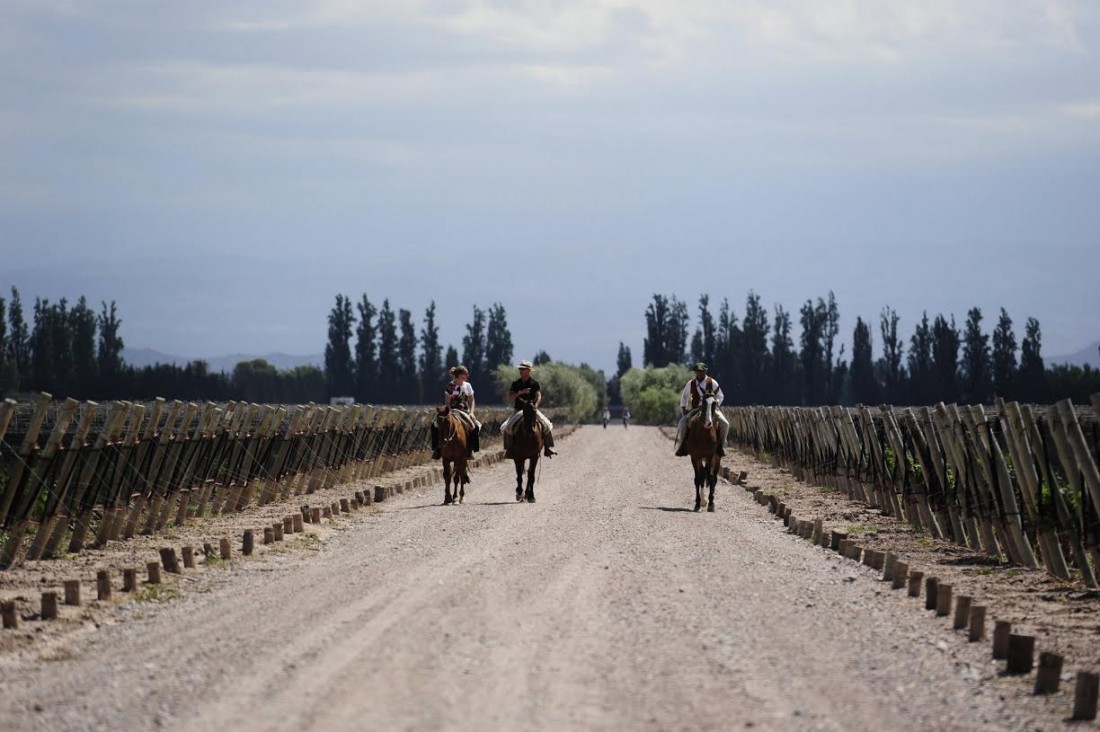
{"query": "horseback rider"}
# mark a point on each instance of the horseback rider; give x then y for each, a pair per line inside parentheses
(459, 396)
(527, 388)
(697, 388)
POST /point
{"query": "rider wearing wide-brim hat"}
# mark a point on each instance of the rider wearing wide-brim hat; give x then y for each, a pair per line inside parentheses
(459, 396)
(699, 386)
(530, 390)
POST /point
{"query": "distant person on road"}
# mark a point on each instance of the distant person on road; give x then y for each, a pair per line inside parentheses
(626, 416)
(528, 389)
(606, 416)
(697, 388)
(459, 396)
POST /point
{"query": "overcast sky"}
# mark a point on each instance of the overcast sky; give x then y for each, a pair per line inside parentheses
(224, 170)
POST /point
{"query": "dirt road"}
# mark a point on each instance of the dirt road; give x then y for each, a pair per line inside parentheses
(608, 604)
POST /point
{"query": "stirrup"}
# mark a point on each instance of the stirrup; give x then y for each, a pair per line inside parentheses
(437, 454)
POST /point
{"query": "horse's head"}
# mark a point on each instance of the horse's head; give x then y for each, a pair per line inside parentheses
(528, 410)
(709, 402)
(442, 417)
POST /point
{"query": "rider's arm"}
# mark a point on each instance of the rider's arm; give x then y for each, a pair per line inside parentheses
(718, 396)
(472, 405)
(685, 397)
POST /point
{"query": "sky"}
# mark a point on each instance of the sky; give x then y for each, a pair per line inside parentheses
(223, 170)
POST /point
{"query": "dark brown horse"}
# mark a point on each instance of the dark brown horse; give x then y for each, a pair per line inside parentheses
(452, 445)
(526, 445)
(701, 440)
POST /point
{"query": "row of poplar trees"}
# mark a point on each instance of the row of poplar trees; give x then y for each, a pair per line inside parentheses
(757, 360)
(393, 362)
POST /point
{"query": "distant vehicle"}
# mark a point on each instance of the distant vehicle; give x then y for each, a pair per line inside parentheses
(341, 401)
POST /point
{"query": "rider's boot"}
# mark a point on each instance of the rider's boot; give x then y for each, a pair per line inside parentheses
(506, 438)
(472, 442)
(436, 453)
(548, 444)
(722, 436)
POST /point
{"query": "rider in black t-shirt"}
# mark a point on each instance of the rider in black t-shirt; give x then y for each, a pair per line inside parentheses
(529, 390)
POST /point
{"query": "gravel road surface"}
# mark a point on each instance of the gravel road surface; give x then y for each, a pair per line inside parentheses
(608, 604)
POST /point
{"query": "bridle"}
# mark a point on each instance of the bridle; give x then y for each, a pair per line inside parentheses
(452, 429)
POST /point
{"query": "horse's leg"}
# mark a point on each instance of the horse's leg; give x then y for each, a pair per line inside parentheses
(519, 478)
(460, 479)
(712, 479)
(530, 496)
(447, 500)
(698, 466)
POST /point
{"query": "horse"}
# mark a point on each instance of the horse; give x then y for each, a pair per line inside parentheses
(701, 441)
(526, 445)
(452, 446)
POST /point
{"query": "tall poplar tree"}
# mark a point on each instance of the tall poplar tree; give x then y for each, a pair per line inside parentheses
(945, 359)
(785, 385)
(432, 368)
(1004, 357)
(1033, 387)
(976, 363)
(921, 380)
(366, 352)
(892, 352)
(19, 341)
(82, 325)
(339, 367)
(498, 339)
(406, 358)
(473, 346)
(109, 347)
(865, 388)
(389, 370)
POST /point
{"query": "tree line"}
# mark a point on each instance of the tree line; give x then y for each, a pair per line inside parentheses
(756, 359)
(390, 362)
(75, 351)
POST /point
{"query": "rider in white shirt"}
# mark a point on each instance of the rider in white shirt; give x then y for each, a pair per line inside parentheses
(459, 396)
(698, 387)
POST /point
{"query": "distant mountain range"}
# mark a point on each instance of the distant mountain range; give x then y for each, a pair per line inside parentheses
(141, 357)
(1088, 355)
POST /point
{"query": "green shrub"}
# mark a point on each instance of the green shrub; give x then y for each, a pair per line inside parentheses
(653, 395)
(563, 387)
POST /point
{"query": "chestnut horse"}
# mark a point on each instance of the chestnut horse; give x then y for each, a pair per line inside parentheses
(526, 445)
(701, 440)
(452, 446)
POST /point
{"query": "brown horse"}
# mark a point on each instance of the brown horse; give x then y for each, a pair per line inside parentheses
(526, 445)
(452, 445)
(701, 440)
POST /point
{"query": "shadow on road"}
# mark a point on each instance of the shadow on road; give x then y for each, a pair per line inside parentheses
(668, 509)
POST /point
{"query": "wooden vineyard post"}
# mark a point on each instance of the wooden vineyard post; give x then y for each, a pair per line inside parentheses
(145, 453)
(1049, 676)
(1066, 463)
(49, 606)
(55, 517)
(72, 592)
(28, 486)
(160, 472)
(1085, 695)
(1019, 448)
(962, 612)
(103, 585)
(977, 624)
(8, 612)
(1040, 445)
